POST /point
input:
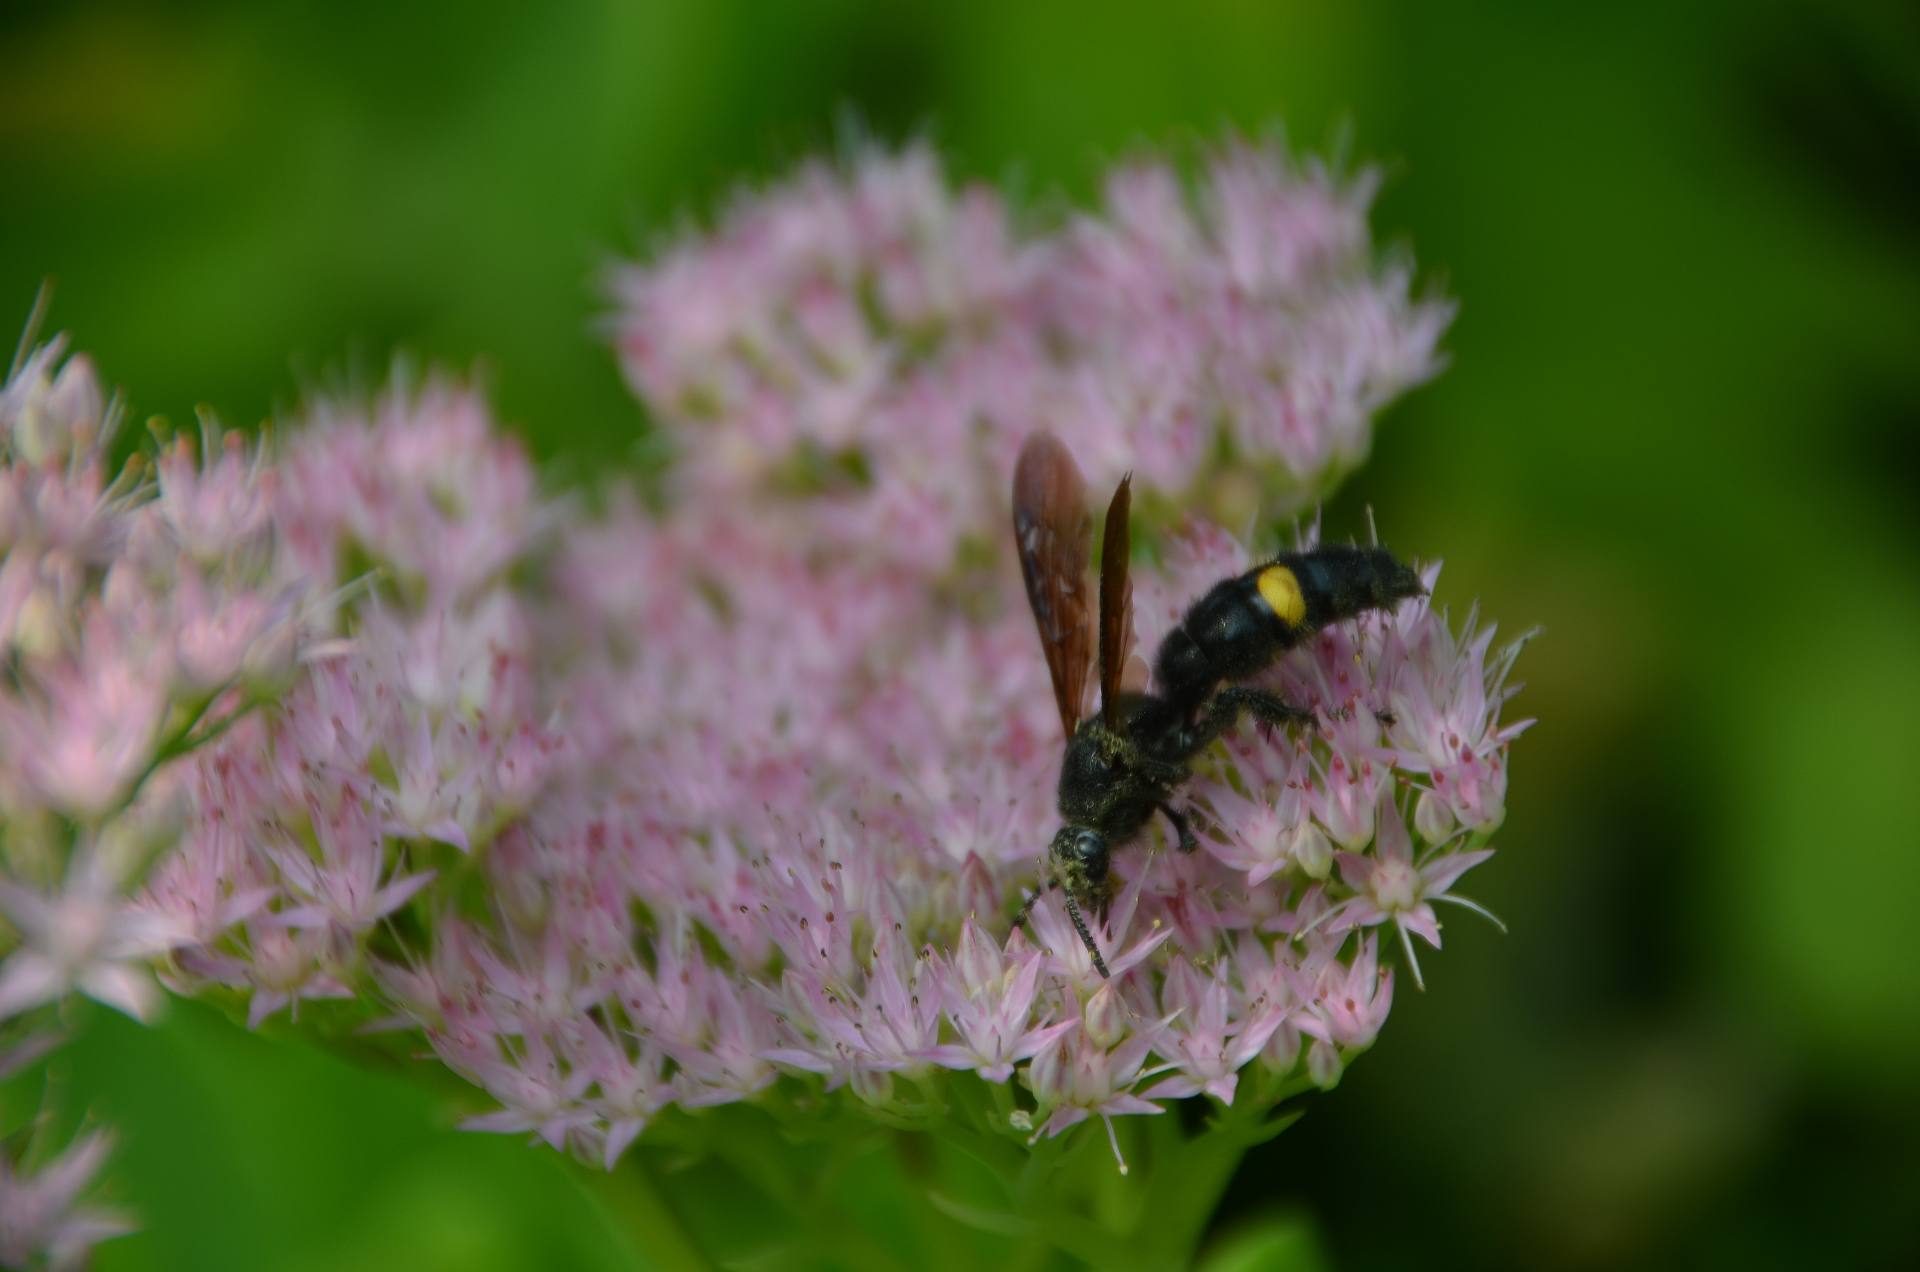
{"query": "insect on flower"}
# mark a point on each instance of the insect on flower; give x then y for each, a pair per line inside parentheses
(1124, 763)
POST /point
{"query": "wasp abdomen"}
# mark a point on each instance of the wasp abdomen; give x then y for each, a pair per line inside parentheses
(1338, 582)
(1242, 624)
(1230, 633)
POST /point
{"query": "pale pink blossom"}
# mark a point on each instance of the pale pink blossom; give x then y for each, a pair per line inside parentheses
(1390, 886)
(345, 879)
(52, 410)
(1347, 1003)
(278, 966)
(85, 938)
(42, 1221)
(1446, 695)
(219, 633)
(88, 725)
(212, 883)
(538, 1093)
(214, 506)
(1212, 1029)
(989, 995)
(1074, 1078)
(629, 1085)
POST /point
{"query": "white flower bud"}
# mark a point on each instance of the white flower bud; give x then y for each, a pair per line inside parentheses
(1106, 1017)
(875, 1086)
(1324, 1064)
(1282, 1051)
(1311, 849)
(1432, 818)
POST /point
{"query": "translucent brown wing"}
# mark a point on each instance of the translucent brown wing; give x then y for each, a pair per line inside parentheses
(1053, 532)
(1116, 601)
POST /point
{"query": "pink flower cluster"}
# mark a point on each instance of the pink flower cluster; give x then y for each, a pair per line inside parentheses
(143, 612)
(140, 615)
(626, 811)
(881, 344)
(417, 738)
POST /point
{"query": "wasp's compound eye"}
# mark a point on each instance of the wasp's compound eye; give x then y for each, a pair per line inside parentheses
(1091, 850)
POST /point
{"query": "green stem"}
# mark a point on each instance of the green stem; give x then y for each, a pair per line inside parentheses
(212, 731)
(823, 1188)
(1182, 1196)
(175, 745)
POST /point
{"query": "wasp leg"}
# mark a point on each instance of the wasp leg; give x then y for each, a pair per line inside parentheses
(1181, 827)
(1346, 713)
(1268, 708)
(1224, 711)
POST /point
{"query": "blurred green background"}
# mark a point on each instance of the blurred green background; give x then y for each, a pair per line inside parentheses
(1679, 432)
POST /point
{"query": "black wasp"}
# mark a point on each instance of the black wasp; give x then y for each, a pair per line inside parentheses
(1123, 763)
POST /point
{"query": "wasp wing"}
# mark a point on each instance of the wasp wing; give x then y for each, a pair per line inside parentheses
(1116, 601)
(1053, 532)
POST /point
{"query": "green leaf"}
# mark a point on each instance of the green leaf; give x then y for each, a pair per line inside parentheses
(1001, 1222)
(1278, 1243)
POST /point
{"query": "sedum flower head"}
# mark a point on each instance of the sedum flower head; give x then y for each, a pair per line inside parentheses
(635, 812)
(747, 790)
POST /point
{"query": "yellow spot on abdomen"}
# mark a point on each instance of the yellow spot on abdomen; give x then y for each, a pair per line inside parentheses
(1281, 591)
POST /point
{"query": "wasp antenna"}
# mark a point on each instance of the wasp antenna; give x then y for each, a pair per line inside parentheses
(1086, 938)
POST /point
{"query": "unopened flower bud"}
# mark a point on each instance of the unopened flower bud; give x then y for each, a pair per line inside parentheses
(267, 669)
(978, 959)
(1106, 1017)
(1311, 849)
(37, 629)
(978, 893)
(1282, 1050)
(1432, 818)
(1324, 1065)
(1046, 1077)
(875, 1086)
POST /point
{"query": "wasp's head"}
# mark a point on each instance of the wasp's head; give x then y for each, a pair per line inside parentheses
(1080, 860)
